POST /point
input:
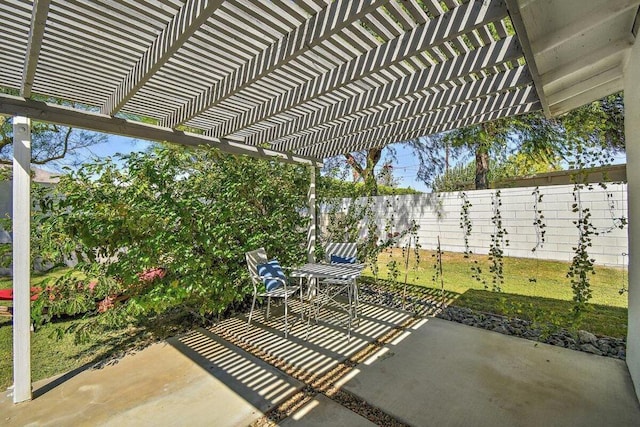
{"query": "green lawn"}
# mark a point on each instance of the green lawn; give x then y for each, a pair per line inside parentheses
(50, 355)
(551, 280)
(547, 300)
(598, 319)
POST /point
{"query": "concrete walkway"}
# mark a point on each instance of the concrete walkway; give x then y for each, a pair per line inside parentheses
(197, 380)
(435, 373)
(446, 374)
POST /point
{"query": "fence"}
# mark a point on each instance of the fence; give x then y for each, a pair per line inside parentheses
(439, 215)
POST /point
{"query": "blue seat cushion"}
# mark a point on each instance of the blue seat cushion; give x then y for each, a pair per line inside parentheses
(271, 269)
(336, 259)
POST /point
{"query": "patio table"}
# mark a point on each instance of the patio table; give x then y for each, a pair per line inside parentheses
(326, 282)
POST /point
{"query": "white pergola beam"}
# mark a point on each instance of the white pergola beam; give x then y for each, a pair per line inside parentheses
(54, 113)
(435, 32)
(21, 239)
(596, 92)
(460, 123)
(34, 44)
(632, 136)
(473, 108)
(606, 11)
(393, 111)
(183, 25)
(586, 86)
(587, 62)
(314, 31)
(523, 37)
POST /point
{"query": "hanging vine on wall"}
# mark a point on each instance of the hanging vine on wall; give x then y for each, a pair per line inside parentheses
(465, 222)
(416, 255)
(617, 222)
(467, 226)
(412, 241)
(538, 220)
(498, 243)
(582, 265)
(438, 277)
(539, 224)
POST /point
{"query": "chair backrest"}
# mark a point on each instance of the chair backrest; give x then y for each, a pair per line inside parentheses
(344, 250)
(259, 256)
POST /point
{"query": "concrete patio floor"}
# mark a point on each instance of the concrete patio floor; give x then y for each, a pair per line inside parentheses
(443, 373)
(434, 372)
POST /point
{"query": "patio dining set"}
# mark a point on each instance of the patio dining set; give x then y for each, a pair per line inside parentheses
(332, 282)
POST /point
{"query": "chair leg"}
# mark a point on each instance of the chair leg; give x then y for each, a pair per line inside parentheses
(350, 311)
(253, 305)
(286, 324)
(268, 308)
(356, 302)
(301, 302)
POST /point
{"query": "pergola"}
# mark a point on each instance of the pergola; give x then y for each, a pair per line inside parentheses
(304, 80)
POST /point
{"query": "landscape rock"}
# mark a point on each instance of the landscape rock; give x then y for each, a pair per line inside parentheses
(587, 338)
(589, 348)
(584, 341)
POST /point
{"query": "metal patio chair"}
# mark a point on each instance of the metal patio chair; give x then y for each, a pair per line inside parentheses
(343, 253)
(269, 281)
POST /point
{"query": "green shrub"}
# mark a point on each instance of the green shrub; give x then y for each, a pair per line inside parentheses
(191, 213)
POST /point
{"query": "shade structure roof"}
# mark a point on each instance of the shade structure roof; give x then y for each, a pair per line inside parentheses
(307, 79)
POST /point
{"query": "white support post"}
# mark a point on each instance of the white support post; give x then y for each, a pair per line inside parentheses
(312, 232)
(21, 259)
(632, 136)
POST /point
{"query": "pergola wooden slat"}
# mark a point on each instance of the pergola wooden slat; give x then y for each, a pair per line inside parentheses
(317, 29)
(428, 35)
(270, 86)
(425, 103)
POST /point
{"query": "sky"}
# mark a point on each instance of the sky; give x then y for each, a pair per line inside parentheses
(115, 144)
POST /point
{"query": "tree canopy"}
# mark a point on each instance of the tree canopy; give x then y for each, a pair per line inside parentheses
(594, 131)
(586, 137)
(462, 176)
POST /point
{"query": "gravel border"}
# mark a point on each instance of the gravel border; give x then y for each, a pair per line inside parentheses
(548, 334)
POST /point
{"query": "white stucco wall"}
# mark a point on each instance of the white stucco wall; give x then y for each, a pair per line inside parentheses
(438, 215)
(632, 134)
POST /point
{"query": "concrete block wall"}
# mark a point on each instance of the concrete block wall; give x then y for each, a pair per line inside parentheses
(439, 215)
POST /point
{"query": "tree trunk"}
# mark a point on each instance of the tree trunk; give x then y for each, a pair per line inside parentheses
(446, 158)
(370, 182)
(367, 172)
(482, 169)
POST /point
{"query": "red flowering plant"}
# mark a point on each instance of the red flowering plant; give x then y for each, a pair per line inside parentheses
(151, 274)
(71, 294)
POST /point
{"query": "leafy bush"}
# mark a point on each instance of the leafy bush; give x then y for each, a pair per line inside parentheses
(189, 214)
(331, 187)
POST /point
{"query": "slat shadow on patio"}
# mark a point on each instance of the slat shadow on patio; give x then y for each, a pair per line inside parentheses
(311, 349)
